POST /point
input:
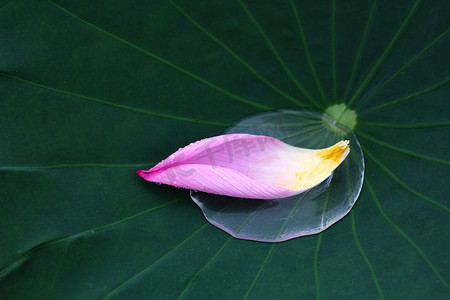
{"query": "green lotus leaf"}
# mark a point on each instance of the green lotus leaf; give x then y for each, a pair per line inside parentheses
(93, 91)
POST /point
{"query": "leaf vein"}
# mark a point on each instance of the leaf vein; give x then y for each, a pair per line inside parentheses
(161, 60)
(235, 55)
(141, 273)
(307, 53)
(360, 48)
(405, 151)
(115, 105)
(366, 260)
(277, 55)
(316, 265)
(84, 165)
(39, 247)
(404, 185)
(397, 125)
(258, 274)
(401, 69)
(333, 48)
(385, 52)
(405, 236)
(217, 254)
(406, 98)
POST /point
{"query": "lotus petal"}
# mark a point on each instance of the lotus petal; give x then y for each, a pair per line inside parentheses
(310, 212)
(247, 166)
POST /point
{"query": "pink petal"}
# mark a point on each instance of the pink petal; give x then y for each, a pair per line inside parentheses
(220, 165)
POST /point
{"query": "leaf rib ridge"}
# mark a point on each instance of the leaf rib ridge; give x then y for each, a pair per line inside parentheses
(162, 60)
(404, 185)
(277, 55)
(189, 284)
(405, 236)
(406, 98)
(84, 165)
(115, 105)
(250, 218)
(375, 67)
(324, 221)
(359, 51)
(333, 48)
(404, 151)
(235, 55)
(307, 53)
(402, 68)
(291, 213)
(316, 265)
(399, 125)
(39, 247)
(258, 274)
(366, 260)
(141, 273)
(311, 129)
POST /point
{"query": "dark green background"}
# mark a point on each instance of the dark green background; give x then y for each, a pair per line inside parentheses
(91, 91)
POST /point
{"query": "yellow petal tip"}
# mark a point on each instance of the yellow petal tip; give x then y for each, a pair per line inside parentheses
(336, 152)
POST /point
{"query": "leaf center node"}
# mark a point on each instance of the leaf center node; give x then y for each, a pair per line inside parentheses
(339, 118)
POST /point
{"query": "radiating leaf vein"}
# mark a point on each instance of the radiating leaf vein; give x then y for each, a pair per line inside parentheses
(146, 269)
(401, 69)
(258, 274)
(406, 98)
(316, 265)
(86, 165)
(359, 51)
(236, 56)
(162, 60)
(401, 150)
(277, 55)
(115, 105)
(404, 125)
(307, 53)
(71, 237)
(405, 236)
(385, 52)
(404, 185)
(333, 48)
(366, 260)
(217, 254)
